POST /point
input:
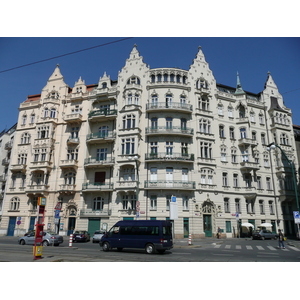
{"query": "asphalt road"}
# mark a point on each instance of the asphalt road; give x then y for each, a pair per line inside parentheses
(205, 250)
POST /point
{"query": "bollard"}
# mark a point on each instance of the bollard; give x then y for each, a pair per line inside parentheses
(190, 239)
(71, 240)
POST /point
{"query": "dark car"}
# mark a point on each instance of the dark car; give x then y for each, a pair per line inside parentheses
(262, 234)
(81, 236)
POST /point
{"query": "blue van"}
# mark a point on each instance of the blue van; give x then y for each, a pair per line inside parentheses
(151, 235)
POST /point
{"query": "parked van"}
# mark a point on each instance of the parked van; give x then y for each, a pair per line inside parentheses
(151, 235)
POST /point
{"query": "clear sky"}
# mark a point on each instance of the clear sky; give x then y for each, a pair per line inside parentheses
(251, 57)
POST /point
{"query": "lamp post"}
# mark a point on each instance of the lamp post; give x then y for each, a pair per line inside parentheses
(137, 208)
(273, 146)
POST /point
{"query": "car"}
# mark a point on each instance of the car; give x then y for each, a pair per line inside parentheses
(262, 234)
(97, 236)
(81, 236)
(49, 238)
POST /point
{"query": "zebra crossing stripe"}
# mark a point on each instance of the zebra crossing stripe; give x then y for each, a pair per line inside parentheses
(260, 248)
(271, 248)
(249, 247)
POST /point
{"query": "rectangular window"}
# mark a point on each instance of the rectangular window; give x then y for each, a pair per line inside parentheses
(153, 202)
(226, 205)
(185, 203)
(228, 226)
(237, 205)
(225, 179)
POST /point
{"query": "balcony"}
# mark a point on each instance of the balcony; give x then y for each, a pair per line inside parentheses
(102, 114)
(96, 187)
(3, 177)
(8, 146)
(18, 168)
(247, 166)
(128, 185)
(5, 161)
(88, 212)
(169, 130)
(69, 163)
(182, 107)
(161, 156)
(96, 162)
(67, 188)
(73, 141)
(73, 118)
(37, 189)
(247, 142)
(101, 137)
(41, 165)
(175, 185)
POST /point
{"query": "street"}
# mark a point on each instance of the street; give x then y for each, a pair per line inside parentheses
(202, 250)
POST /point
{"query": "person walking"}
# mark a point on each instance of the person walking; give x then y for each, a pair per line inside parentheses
(280, 239)
(219, 232)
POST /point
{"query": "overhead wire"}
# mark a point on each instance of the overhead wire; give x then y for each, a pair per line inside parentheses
(66, 54)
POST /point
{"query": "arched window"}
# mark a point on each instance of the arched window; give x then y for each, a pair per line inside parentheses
(243, 133)
(129, 121)
(32, 118)
(98, 203)
(15, 204)
(24, 119)
(136, 99)
(53, 113)
(133, 80)
(284, 140)
(129, 99)
(204, 126)
(169, 99)
(25, 138)
(70, 178)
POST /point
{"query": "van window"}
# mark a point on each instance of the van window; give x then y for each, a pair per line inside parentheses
(114, 230)
(139, 230)
(167, 230)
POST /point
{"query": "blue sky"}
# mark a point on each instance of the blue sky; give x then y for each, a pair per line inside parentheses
(251, 57)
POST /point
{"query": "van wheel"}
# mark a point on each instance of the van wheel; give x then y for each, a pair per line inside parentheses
(150, 248)
(105, 247)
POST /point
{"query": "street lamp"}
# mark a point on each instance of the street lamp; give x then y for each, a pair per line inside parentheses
(273, 146)
(137, 208)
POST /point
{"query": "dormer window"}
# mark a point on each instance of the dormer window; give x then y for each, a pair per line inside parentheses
(104, 85)
(133, 80)
(79, 89)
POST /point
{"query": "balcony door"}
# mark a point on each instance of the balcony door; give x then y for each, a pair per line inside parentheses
(99, 178)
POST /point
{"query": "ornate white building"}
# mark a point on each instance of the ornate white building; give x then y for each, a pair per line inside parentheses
(122, 149)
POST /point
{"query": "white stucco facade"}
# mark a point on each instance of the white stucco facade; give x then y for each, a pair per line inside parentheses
(103, 150)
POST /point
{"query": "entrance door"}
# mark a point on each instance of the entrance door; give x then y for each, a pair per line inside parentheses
(185, 227)
(31, 224)
(71, 225)
(11, 226)
(94, 224)
(207, 225)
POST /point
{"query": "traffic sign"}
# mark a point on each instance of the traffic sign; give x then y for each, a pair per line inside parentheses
(296, 217)
(237, 215)
(173, 199)
(19, 222)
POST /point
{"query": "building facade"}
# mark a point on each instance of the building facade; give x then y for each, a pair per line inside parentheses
(126, 149)
(6, 144)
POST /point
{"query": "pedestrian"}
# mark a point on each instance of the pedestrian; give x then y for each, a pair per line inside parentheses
(280, 239)
(219, 232)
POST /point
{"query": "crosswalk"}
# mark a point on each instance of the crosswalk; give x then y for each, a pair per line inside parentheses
(250, 247)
